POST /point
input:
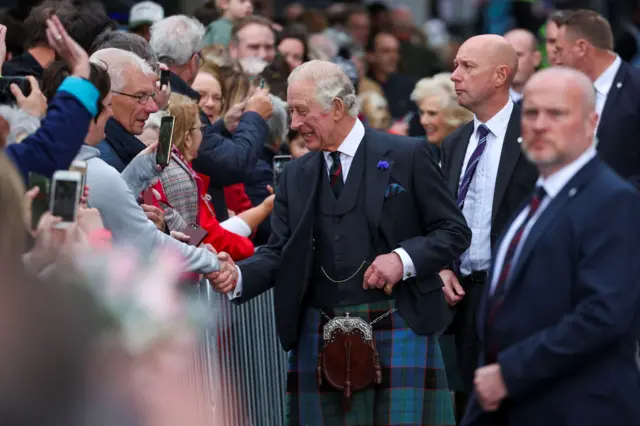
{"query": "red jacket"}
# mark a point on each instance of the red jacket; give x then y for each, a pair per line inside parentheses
(237, 199)
(237, 246)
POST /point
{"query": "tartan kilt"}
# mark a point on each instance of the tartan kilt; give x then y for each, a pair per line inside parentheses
(414, 388)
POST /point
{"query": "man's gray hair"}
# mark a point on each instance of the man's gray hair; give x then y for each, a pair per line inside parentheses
(116, 62)
(176, 39)
(127, 41)
(330, 81)
(278, 121)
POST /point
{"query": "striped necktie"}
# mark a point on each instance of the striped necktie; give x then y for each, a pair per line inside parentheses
(497, 298)
(483, 132)
(335, 174)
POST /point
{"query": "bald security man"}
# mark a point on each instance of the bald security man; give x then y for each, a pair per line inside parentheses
(525, 44)
(559, 319)
(489, 177)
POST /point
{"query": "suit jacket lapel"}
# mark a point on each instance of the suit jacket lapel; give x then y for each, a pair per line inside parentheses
(375, 179)
(612, 98)
(308, 183)
(569, 191)
(457, 159)
(508, 158)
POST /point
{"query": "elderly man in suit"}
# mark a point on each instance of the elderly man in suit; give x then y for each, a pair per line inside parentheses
(489, 176)
(364, 211)
(559, 320)
(585, 42)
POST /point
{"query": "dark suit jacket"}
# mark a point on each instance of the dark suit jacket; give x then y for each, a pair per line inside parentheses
(516, 175)
(424, 220)
(569, 321)
(619, 125)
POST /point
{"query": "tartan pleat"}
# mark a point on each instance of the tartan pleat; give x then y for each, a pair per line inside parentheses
(414, 388)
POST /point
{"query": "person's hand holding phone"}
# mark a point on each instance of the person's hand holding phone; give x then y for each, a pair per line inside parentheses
(260, 102)
(35, 104)
(73, 54)
(232, 117)
(163, 87)
(27, 210)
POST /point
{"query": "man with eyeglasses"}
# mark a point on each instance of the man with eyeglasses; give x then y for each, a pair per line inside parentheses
(133, 89)
(227, 158)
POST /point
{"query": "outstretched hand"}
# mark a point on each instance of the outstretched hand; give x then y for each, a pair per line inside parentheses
(225, 280)
(73, 54)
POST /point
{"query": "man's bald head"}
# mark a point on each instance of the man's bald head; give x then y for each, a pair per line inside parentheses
(558, 118)
(576, 82)
(485, 66)
(526, 47)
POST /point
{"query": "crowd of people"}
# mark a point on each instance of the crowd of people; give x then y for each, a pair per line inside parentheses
(474, 203)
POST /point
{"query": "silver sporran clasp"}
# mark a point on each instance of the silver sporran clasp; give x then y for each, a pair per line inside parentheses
(347, 325)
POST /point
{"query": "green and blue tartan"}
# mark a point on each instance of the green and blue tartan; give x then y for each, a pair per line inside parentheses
(414, 387)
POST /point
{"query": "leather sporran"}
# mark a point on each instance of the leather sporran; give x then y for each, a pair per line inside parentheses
(348, 360)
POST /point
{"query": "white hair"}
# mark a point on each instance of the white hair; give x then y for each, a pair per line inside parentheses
(21, 123)
(116, 62)
(278, 121)
(441, 87)
(330, 81)
(252, 65)
(322, 47)
(155, 119)
(176, 39)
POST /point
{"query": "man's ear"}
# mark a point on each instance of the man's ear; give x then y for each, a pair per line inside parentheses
(338, 109)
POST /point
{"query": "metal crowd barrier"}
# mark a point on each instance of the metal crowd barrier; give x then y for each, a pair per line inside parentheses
(244, 363)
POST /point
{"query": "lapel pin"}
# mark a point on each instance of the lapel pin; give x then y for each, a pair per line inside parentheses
(520, 139)
(619, 85)
(572, 192)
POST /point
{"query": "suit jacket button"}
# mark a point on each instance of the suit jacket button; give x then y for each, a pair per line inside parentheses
(338, 258)
(337, 238)
(336, 220)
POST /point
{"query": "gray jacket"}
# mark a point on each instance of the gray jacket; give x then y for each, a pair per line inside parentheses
(114, 195)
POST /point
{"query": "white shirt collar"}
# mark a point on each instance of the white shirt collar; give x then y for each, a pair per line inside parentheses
(351, 143)
(515, 96)
(605, 81)
(553, 184)
(497, 124)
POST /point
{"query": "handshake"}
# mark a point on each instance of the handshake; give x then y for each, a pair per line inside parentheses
(224, 280)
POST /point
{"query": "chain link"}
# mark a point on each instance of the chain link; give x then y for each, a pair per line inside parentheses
(380, 318)
(345, 280)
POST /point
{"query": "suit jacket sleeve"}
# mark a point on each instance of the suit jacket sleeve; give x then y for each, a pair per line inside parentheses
(259, 271)
(446, 235)
(608, 298)
(230, 161)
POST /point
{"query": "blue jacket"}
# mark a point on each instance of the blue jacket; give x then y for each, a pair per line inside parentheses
(62, 133)
(256, 188)
(568, 324)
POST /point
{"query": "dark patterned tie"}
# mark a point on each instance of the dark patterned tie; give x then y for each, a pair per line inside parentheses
(470, 171)
(335, 174)
(497, 298)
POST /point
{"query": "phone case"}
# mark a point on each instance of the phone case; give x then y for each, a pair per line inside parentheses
(196, 233)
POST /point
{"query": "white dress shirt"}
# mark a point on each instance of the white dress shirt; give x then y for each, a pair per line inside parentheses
(515, 96)
(603, 84)
(552, 185)
(478, 205)
(347, 150)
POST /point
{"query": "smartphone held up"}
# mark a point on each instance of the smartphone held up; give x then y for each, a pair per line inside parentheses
(165, 141)
(66, 190)
(279, 162)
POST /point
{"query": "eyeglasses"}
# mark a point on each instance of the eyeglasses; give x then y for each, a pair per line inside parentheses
(142, 99)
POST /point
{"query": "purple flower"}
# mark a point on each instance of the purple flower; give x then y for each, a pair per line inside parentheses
(383, 165)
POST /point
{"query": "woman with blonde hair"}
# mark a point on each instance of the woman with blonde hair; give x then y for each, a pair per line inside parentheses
(440, 113)
(210, 87)
(183, 192)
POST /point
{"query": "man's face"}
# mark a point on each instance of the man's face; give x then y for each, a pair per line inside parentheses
(127, 110)
(566, 49)
(359, 28)
(254, 40)
(385, 55)
(308, 117)
(528, 57)
(556, 128)
(551, 34)
(473, 76)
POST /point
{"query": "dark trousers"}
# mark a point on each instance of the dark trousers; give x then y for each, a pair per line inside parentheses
(466, 336)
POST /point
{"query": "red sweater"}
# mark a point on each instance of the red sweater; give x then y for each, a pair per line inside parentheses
(237, 199)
